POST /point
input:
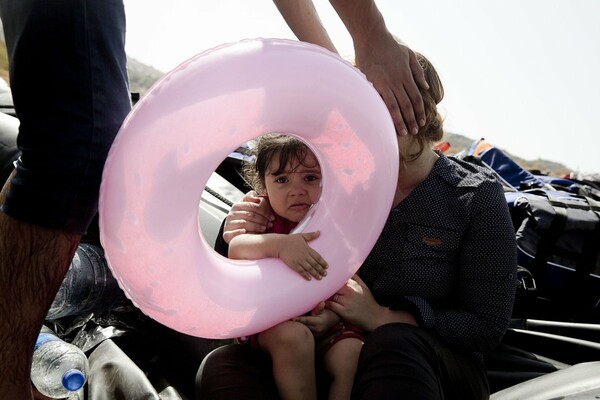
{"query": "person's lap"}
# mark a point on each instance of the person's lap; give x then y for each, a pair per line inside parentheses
(427, 368)
(403, 361)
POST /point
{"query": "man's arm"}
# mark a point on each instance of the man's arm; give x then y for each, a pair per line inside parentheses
(387, 63)
(302, 18)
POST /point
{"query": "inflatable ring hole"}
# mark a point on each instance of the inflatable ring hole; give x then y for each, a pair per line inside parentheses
(230, 180)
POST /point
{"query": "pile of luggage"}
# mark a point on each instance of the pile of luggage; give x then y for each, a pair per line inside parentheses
(557, 226)
(555, 330)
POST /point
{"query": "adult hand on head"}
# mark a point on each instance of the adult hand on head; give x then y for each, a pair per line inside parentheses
(388, 63)
(252, 214)
(396, 74)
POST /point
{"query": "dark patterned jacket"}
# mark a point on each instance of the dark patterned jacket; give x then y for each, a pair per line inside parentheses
(447, 254)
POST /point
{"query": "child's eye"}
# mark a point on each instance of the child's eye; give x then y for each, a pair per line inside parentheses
(311, 178)
(281, 179)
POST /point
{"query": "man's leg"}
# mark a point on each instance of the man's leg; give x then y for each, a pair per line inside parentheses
(69, 84)
(33, 262)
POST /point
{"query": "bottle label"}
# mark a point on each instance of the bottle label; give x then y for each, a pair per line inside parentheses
(44, 338)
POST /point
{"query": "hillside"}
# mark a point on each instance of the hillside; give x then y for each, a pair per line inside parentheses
(459, 142)
(142, 77)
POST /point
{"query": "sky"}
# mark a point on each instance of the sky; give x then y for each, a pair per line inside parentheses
(523, 74)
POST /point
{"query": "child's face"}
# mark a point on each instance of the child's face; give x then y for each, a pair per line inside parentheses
(291, 194)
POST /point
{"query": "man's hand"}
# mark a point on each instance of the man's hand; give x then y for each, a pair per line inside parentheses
(388, 63)
(397, 75)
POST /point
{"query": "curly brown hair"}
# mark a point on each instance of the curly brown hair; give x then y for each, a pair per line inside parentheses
(289, 149)
(433, 130)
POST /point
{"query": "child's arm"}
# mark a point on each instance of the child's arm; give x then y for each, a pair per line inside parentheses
(293, 249)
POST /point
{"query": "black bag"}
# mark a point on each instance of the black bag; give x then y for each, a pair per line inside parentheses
(558, 241)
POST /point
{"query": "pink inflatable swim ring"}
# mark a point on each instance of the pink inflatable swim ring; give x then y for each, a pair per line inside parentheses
(185, 126)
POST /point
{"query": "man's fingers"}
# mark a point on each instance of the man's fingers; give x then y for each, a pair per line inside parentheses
(418, 72)
(412, 88)
(406, 108)
(409, 102)
(391, 103)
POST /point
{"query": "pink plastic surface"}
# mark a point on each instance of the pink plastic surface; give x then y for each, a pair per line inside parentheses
(179, 133)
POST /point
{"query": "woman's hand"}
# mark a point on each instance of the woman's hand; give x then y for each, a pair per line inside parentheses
(355, 303)
(320, 320)
(252, 214)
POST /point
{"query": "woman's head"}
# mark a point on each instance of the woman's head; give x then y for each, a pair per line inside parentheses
(287, 171)
(432, 131)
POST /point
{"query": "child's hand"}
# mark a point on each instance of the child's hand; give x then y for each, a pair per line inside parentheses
(300, 257)
(320, 320)
(320, 308)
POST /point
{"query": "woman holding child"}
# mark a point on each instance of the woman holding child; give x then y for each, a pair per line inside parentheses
(435, 293)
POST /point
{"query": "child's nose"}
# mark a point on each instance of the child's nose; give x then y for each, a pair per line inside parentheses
(298, 189)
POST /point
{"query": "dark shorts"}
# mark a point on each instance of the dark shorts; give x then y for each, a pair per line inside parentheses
(340, 331)
(69, 83)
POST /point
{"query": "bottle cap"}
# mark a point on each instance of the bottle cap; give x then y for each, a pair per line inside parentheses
(73, 380)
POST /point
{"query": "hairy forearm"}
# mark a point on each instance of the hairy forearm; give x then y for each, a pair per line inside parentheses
(33, 263)
(302, 18)
(363, 20)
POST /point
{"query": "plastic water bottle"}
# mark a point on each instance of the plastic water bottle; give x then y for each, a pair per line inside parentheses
(88, 285)
(58, 368)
